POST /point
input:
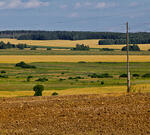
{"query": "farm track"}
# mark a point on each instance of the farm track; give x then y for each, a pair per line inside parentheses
(76, 115)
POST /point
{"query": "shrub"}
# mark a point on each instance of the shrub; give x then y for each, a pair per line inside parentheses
(106, 49)
(123, 76)
(24, 65)
(78, 77)
(21, 46)
(70, 78)
(3, 71)
(49, 48)
(102, 82)
(82, 62)
(81, 48)
(33, 48)
(54, 94)
(131, 48)
(28, 78)
(3, 76)
(105, 75)
(42, 79)
(136, 75)
(146, 75)
(38, 90)
(61, 79)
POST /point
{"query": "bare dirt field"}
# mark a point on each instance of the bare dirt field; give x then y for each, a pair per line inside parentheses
(76, 115)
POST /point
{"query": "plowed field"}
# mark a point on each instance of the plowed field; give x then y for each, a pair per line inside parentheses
(76, 115)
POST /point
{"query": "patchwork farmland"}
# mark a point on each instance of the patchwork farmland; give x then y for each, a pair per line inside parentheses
(90, 85)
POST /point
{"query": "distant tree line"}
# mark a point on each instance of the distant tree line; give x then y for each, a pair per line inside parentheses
(68, 35)
(108, 37)
(9, 45)
(123, 41)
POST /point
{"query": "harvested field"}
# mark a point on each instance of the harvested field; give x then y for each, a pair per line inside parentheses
(76, 115)
(54, 43)
(71, 58)
(93, 43)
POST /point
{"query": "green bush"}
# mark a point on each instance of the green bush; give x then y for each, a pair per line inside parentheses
(102, 82)
(24, 65)
(28, 78)
(106, 49)
(70, 78)
(136, 75)
(38, 90)
(49, 48)
(54, 94)
(3, 76)
(146, 75)
(42, 79)
(61, 79)
(3, 71)
(33, 48)
(81, 48)
(131, 48)
(78, 77)
(105, 75)
(123, 76)
(82, 62)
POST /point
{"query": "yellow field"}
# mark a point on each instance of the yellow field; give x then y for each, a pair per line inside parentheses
(71, 58)
(78, 91)
(54, 43)
(67, 43)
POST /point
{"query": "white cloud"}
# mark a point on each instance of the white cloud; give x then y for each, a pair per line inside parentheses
(133, 4)
(105, 5)
(2, 4)
(74, 15)
(78, 5)
(101, 5)
(88, 4)
(63, 6)
(12, 4)
(35, 3)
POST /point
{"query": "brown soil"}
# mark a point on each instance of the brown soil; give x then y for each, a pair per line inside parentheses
(76, 115)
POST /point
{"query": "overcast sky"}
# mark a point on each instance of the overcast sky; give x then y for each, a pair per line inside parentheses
(84, 15)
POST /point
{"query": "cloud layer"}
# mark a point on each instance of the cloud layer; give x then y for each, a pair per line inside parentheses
(12, 4)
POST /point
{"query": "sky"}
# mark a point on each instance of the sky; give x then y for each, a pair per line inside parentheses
(75, 15)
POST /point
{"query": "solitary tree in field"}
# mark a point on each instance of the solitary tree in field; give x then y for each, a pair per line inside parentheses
(28, 78)
(38, 90)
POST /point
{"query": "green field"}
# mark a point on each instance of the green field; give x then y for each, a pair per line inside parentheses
(54, 72)
(56, 51)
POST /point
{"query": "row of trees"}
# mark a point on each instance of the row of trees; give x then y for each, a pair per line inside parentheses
(81, 47)
(123, 41)
(62, 35)
(131, 48)
(9, 45)
(140, 37)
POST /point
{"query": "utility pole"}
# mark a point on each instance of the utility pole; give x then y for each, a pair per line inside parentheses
(128, 69)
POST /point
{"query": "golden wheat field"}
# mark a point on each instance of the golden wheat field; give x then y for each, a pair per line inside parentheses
(93, 43)
(78, 91)
(71, 58)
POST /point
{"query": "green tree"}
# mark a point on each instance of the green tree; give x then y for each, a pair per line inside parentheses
(38, 90)
(28, 78)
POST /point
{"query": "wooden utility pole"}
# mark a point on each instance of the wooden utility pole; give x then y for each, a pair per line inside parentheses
(128, 69)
